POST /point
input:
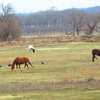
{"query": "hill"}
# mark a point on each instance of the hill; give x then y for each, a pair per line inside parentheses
(92, 9)
(88, 10)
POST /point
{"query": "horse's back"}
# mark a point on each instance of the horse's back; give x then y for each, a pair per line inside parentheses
(96, 52)
(21, 60)
(30, 46)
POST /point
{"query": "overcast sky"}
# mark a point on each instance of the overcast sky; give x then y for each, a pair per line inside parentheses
(27, 6)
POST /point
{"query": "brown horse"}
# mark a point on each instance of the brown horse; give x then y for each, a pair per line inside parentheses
(95, 52)
(20, 60)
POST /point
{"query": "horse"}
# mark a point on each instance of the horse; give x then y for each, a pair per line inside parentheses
(95, 52)
(31, 48)
(20, 60)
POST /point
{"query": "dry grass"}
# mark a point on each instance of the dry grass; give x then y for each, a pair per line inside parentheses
(66, 67)
(44, 40)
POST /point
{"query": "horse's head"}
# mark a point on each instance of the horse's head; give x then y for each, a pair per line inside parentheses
(12, 67)
(34, 50)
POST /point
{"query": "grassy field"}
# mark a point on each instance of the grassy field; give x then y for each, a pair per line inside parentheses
(68, 73)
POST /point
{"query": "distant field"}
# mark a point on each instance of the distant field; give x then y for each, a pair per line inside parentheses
(68, 73)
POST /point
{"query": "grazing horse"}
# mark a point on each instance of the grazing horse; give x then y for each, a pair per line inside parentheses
(95, 52)
(31, 48)
(20, 60)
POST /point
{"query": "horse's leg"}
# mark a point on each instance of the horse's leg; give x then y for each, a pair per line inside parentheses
(27, 66)
(96, 57)
(20, 67)
(16, 66)
(24, 65)
(93, 58)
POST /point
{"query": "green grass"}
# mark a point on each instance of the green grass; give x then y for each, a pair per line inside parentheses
(68, 73)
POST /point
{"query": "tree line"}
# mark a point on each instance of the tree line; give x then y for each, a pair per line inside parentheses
(72, 21)
(75, 21)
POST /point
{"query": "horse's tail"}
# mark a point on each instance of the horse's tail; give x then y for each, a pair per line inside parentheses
(30, 63)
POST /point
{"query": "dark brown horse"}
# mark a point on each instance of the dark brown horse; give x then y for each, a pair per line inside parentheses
(95, 52)
(20, 60)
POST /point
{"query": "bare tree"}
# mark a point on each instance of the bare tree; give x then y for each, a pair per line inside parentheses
(9, 23)
(76, 20)
(92, 21)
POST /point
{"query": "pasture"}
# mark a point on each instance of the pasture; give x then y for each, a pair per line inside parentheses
(68, 73)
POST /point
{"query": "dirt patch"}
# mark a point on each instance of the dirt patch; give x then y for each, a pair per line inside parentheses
(87, 84)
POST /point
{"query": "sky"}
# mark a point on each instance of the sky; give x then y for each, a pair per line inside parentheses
(27, 6)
